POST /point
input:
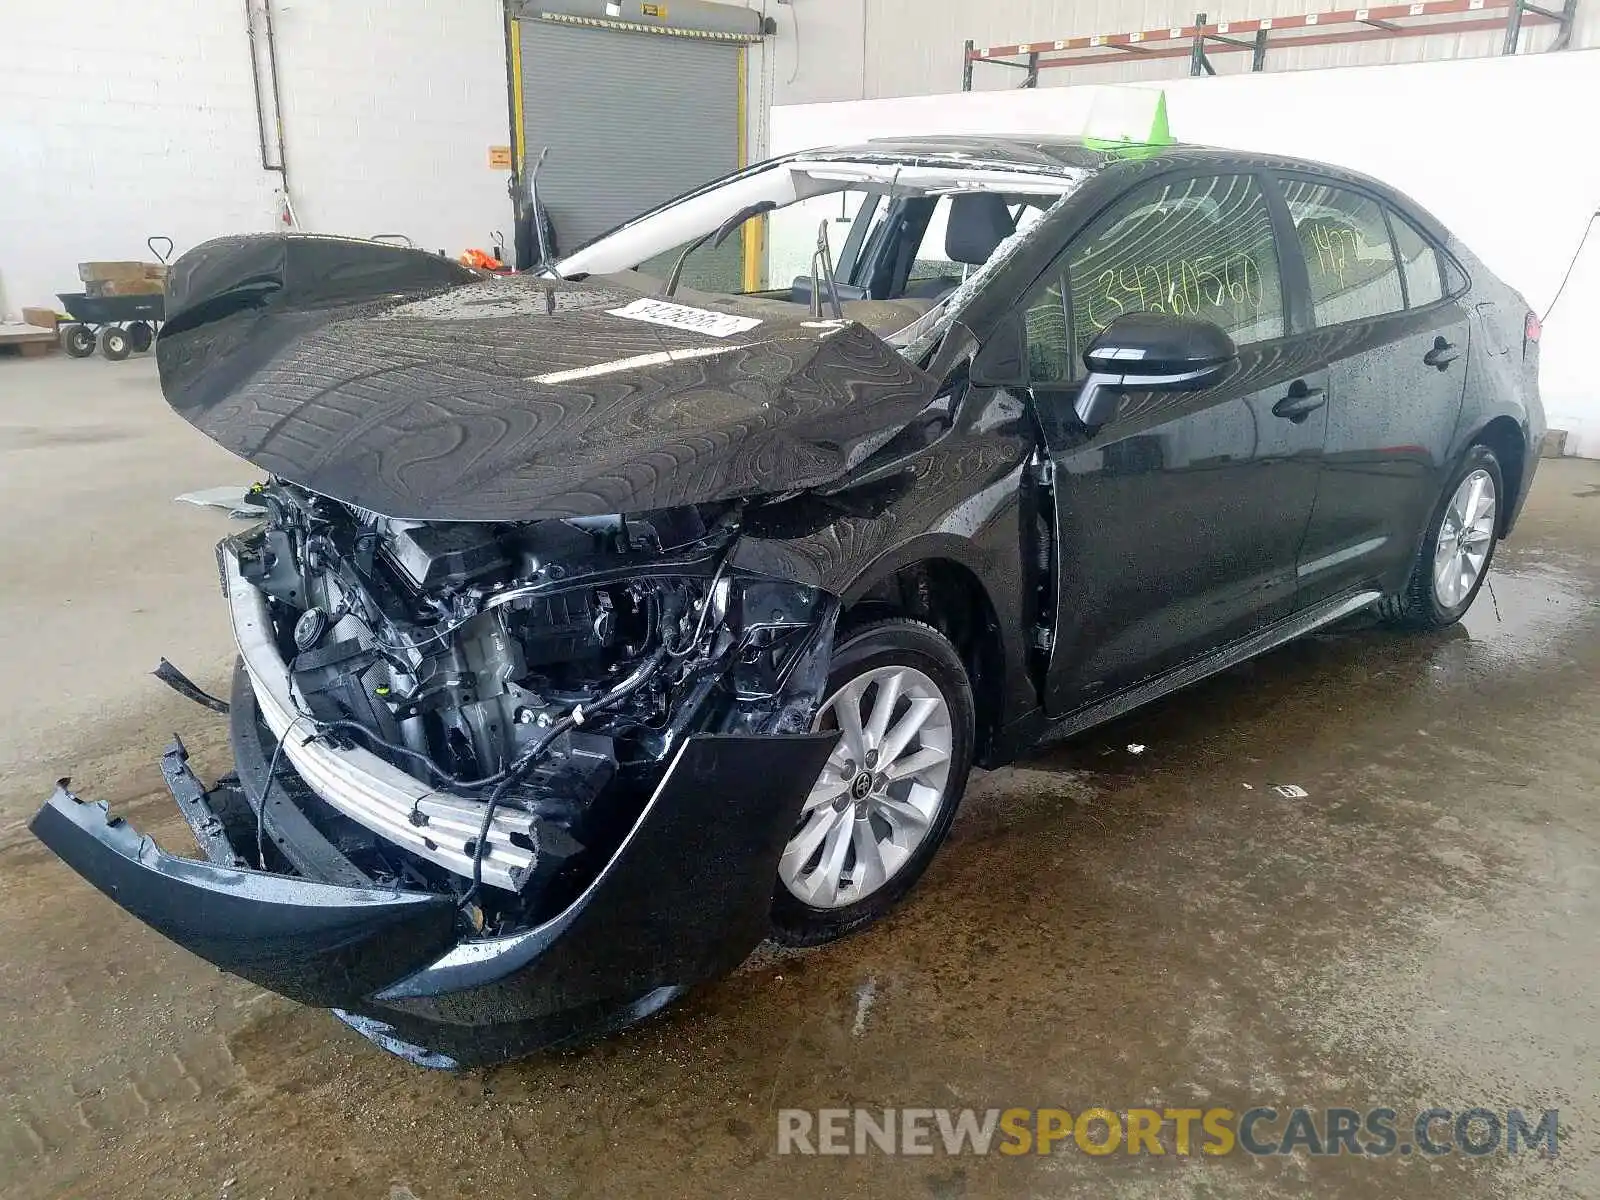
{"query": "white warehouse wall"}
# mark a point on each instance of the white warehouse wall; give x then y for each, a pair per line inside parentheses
(867, 49)
(1494, 147)
(389, 112)
(119, 122)
(115, 126)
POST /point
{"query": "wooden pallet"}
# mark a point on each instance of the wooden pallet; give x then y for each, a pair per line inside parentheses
(28, 341)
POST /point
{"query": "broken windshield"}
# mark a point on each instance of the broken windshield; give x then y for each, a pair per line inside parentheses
(870, 210)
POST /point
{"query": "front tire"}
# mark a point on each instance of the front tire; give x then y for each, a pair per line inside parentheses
(1457, 549)
(900, 696)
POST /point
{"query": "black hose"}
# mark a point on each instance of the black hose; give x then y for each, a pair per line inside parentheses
(577, 716)
(266, 791)
(438, 773)
(512, 774)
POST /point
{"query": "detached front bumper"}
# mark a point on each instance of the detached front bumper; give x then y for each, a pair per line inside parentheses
(303, 939)
(684, 898)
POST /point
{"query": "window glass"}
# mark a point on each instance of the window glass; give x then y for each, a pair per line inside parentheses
(1349, 257)
(707, 269)
(792, 232)
(932, 260)
(1420, 262)
(1192, 247)
(1049, 347)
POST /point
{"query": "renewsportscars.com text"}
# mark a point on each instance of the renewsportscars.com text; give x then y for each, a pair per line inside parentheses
(1261, 1131)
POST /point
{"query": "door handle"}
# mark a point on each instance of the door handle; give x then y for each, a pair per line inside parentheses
(1300, 403)
(1442, 354)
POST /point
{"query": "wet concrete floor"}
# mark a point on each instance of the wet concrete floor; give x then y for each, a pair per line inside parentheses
(1104, 928)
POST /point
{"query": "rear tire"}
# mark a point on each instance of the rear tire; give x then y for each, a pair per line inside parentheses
(141, 336)
(871, 827)
(76, 340)
(1457, 549)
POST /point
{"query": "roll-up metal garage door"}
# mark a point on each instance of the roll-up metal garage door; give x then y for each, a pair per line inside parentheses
(631, 120)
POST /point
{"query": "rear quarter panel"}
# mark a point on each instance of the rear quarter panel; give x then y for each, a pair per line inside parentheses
(1502, 377)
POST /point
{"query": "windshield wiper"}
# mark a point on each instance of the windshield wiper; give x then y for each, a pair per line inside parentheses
(720, 234)
(822, 259)
(546, 261)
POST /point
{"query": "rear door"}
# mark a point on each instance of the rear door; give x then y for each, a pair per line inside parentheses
(1180, 521)
(1396, 346)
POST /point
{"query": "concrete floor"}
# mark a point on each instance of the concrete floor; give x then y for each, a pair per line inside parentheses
(1102, 929)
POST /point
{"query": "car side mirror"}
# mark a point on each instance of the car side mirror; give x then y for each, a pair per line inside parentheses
(1000, 361)
(1150, 352)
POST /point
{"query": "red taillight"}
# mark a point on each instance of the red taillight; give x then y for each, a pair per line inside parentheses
(1531, 328)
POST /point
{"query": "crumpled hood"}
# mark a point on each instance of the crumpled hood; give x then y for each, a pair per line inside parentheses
(401, 382)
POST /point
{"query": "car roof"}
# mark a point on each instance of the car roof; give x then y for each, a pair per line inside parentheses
(1071, 154)
(1013, 150)
(1054, 151)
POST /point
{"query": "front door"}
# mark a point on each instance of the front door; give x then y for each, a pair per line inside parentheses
(1179, 522)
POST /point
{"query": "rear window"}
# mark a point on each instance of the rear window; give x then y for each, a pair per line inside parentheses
(1420, 263)
(1350, 260)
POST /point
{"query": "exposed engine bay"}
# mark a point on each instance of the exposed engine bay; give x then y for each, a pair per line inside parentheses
(541, 673)
(536, 635)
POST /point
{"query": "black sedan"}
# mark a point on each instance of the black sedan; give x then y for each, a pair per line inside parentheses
(605, 621)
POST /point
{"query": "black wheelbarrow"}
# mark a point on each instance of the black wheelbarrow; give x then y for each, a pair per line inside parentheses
(120, 325)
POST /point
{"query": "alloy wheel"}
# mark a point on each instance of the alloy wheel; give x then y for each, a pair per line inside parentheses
(880, 791)
(1466, 536)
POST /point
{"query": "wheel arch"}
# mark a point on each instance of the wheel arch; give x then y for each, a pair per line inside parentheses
(936, 583)
(1505, 436)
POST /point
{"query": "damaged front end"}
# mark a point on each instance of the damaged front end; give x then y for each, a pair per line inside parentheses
(499, 785)
(524, 710)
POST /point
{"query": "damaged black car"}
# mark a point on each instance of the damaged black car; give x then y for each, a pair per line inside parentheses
(604, 621)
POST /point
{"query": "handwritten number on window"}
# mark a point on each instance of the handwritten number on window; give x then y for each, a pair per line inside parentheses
(1184, 287)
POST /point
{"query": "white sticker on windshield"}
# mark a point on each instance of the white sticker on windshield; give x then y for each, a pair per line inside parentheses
(681, 316)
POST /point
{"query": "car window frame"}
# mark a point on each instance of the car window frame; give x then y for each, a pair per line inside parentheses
(1453, 270)
(855, 241)
(1055, 271)
(876, 263)
(1393, 207)
(1441, 260)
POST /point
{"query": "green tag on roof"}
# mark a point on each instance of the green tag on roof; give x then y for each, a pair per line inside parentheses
(1128, 122)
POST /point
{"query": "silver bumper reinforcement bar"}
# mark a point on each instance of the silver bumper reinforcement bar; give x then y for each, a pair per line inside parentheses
(431, 824)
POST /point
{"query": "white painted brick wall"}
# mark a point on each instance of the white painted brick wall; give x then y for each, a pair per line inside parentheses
(389, 113)
(118, 121)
